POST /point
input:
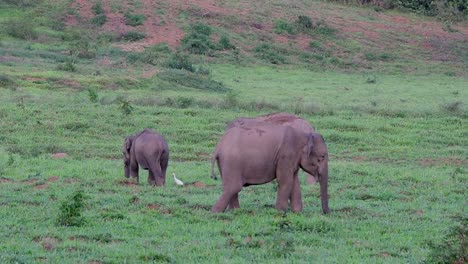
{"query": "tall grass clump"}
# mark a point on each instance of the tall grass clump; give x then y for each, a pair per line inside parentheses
(100, 18)
(281, 26)
(71, 210)
(134, 19)
(20, 28)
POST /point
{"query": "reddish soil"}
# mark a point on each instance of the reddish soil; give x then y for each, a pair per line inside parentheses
(5, 180)
(59, 155)
(442, 162)
(40, 186)
(374, 31)
(53, 179)
(198, 184)
(48, 243)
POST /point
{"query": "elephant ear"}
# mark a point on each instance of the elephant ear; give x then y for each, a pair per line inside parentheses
(320, 147)
(310, 143)
(126, 147)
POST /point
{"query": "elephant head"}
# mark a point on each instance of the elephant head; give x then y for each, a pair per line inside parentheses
(314, 160)
(126, 154)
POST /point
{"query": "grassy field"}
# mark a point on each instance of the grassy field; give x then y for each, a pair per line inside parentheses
(397, 173)
(398, 144)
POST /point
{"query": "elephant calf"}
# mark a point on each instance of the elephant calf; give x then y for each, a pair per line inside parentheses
(150, 151)
(259, 153)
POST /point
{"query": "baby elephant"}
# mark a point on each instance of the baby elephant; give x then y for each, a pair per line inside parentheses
(149, 150)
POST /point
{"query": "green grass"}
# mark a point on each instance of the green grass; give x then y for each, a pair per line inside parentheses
(397, 147)
(397, 172)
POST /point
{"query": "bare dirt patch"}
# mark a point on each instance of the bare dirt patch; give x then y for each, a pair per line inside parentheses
(53, 179)
(442, 162)
(48, 243)
(159, 208)
(3, 180)
(41, 186)
(59, 155)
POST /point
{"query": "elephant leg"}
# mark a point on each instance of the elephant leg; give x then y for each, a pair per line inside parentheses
(234, 203)
(134, 170)
(229, 193)
(296, 197)
(285, 186)
(164, 163)
(155, 175)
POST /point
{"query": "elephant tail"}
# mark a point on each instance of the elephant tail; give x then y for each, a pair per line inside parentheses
(213, 161)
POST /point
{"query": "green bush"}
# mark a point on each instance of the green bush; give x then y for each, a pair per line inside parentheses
(282, 26)
(453, 248)
(5, 80)
(82, 48)
(270, 54)
(97, 8)
(99, 20)
(125, 107)
(304, 23)
(225, 43)
(134, 19)
(133, 36)
(71, 210)
(197, 41)
(180, 61)
(20, 28)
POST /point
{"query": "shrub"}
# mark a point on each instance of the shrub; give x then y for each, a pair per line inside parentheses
(81, 48)
(151, 55)
(20, 28)
(5, 80)
(197, 41)
(99, 20)
(453, 248)
(133, 36)
(282, 26)
(134, 19)
(93, 95)
(180, 61)
(71, 210)
(225, 43)
(125, 107)
(270, 54)
(97, 8)
(304, 23)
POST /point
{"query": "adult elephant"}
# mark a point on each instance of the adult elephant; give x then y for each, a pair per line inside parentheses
(148, 150)
(285, 119)
(260, 153)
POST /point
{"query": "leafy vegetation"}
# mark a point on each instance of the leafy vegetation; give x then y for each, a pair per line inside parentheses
(394, 119)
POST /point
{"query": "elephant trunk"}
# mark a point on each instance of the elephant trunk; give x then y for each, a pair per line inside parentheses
(323, 179)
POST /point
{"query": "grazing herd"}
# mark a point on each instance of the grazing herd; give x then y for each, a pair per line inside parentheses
(252, 151)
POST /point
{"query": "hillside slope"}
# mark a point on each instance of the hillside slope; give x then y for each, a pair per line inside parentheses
(341, 36)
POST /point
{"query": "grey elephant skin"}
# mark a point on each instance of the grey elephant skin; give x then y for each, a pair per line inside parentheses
(148, 150)
(285, 119)
(260, 152)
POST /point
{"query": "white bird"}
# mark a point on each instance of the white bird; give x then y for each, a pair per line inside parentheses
(177, 181)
